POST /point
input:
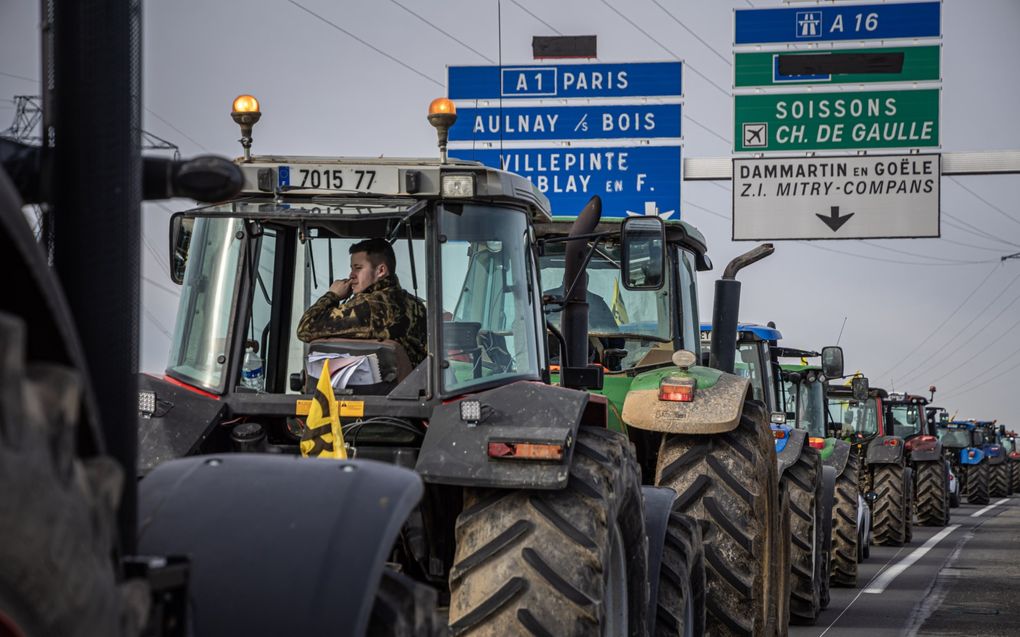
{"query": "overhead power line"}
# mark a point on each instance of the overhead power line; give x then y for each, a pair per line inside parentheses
(985, 201)
(927, 338)
(449, 35)
(367, 43)
(972, 229)
(697, 37)
(526, 10)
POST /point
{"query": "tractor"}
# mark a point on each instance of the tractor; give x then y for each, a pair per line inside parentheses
(936, 417)
(906, 415)
(962, 445)
(999, 481)
(696, 428)
(885, 475)
(804, 387)
(533, 517)
(1009, 443)
(803, 475)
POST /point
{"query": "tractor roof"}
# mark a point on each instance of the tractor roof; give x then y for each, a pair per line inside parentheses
(900, 397)
(786, 367)
(847, 390)
(676, 231)
(751, 331)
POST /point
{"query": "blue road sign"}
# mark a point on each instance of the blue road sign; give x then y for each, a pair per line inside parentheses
(637, 79)
(642, 121)
(832, 23)
(637, 180)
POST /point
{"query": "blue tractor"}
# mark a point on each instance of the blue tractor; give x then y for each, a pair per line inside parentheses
(999, 484)
(962, 444)
(809, 483)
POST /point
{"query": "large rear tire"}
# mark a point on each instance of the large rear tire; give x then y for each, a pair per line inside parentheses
(977, 483)
(998, 483)
(57, 574)
(571, 562)
(404, 608)
(803, 481)
(891, 507)
(680, 607)
(1015, 476)
(932, 494)
(730, 483)
(844, 526)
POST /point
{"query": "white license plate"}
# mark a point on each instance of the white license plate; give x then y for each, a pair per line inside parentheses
(339, 178)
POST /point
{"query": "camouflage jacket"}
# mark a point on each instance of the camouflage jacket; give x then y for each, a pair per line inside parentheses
(382, 311)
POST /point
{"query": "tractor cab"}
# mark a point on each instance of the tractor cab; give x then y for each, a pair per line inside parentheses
(238, 377)
(754, 361)
(905, 415)
(856, 420)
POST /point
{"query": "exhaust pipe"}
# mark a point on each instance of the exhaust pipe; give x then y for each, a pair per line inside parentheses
(726, 309)
(574, 318)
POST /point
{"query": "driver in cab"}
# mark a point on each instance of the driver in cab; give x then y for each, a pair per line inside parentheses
(370, 304)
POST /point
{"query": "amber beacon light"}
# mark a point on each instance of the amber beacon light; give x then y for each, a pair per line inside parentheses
(245, 111)
(442, 115)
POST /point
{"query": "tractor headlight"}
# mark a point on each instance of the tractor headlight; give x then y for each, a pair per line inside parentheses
(458, 185)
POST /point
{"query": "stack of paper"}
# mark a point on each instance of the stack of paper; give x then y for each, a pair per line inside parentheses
(345, 369)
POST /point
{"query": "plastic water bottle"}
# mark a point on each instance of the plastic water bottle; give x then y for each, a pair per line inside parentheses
(252, 375)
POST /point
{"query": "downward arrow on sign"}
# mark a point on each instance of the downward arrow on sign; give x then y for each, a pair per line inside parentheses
(834, 221)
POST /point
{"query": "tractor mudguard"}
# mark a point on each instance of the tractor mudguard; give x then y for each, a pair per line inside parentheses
(839, 456)
(791, 451)
(995, 457)
(277, 545)
(885, 450)
(716, 408)
(178, 430)
(971, 455)
(658, 506)
(926, 451)
(459, 453)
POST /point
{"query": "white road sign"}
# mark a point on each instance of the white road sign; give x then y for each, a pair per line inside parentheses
(848, 197)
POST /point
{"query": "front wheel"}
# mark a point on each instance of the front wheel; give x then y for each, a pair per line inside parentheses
(571, 562)
(730, 483)
(977, 483)
(845, 533)
(803, 481)
(680, 606)
(891, 507)
(932, 498)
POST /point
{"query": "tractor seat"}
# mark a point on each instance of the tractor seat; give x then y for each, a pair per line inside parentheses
(394, 365)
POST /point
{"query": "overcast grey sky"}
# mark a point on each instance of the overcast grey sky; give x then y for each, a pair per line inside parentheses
(354, 78)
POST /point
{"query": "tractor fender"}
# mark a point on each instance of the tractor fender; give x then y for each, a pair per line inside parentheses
(456, 452)
(180, 428)
(277, 545)
(971, 455)
(995, 456)
(926, 452)
(839, 456)
(883, 450)
(716, 408)
(791, 451)
(658, 506)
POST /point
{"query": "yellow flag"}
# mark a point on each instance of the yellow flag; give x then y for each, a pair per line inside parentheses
(850, 381)
(618, 308)
(323, 437)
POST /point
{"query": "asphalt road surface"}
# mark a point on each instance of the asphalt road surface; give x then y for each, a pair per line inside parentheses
(963, 579)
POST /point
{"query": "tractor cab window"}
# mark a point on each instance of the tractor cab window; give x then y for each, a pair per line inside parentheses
(811, 408)
(748, 364)
(954, 438)
(854, 417)
(198, 351)
(629, 322)
(688, 303)
(904, 420)
(490, 301)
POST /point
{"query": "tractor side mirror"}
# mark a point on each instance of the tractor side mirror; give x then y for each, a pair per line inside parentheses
(859, 387)
(180, 241)
(832, 361)
(643, 253)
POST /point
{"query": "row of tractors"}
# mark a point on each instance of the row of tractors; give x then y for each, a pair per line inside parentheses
(575, 454)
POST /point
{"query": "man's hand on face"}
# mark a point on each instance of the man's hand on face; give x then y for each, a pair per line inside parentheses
(341, 287)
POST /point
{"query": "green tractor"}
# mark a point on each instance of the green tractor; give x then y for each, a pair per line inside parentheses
(696, 429)
(804, 387)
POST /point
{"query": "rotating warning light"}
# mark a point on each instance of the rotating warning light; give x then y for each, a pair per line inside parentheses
(245, 104)
(246, 112)
(442, 115)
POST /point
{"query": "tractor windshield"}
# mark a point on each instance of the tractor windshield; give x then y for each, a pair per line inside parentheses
(490, 303)
(809, 398)
(634, 321)
(954, 438)
(854, 417)
(904, 419)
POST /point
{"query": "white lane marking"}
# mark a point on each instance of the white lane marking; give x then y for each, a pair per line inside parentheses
(988, 508)
(859, 593)
(879, 584)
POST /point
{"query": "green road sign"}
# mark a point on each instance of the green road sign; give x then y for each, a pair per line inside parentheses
(836, 121)
(919, 64)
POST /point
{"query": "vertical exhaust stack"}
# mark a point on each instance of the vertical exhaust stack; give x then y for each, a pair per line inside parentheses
(726, 309)
(574, 318)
